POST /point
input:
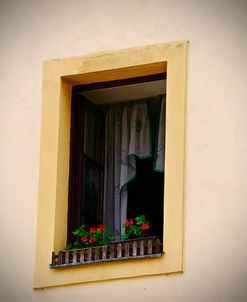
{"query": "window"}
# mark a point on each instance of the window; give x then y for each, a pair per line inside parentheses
(59, 78)
(105, 145)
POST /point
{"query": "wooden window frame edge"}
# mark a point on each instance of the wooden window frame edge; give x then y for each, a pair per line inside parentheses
(59, 76)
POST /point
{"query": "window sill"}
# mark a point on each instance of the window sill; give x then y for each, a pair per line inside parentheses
(150, 247)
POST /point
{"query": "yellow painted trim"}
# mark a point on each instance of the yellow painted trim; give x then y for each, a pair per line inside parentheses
(59, 76)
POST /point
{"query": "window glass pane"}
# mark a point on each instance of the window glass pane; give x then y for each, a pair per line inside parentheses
(90, 136)
(91, 205)
(94, 134)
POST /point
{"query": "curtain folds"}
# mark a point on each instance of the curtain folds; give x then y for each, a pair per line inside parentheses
(128, 135)
(160, 141)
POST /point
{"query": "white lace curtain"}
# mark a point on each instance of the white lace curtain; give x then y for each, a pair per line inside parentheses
(128, 135)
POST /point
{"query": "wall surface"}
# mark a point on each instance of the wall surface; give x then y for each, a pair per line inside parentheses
(215, 237)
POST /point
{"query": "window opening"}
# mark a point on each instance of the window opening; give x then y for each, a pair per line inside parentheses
(89, 155)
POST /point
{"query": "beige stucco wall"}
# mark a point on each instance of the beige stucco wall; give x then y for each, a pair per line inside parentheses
(215, 234)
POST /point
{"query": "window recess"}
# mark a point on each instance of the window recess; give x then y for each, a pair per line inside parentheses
(117, 162)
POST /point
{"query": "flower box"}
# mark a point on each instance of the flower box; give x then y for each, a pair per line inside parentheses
(147, 247)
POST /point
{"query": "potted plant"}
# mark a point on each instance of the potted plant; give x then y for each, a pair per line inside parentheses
(91, 237)
(136, 228)
(94, 244)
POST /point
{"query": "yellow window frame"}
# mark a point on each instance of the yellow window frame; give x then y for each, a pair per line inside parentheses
(59, 76)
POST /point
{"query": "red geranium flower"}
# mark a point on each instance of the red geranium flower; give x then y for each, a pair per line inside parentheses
(131, 221)
(101, 227)
(127, 222)
(91, 241)
(84, 239)
(145, 226)
(92, 230)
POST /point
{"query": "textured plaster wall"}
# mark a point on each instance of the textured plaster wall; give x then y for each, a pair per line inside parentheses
(215, 258)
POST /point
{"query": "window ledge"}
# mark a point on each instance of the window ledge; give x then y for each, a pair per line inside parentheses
(150, 247)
